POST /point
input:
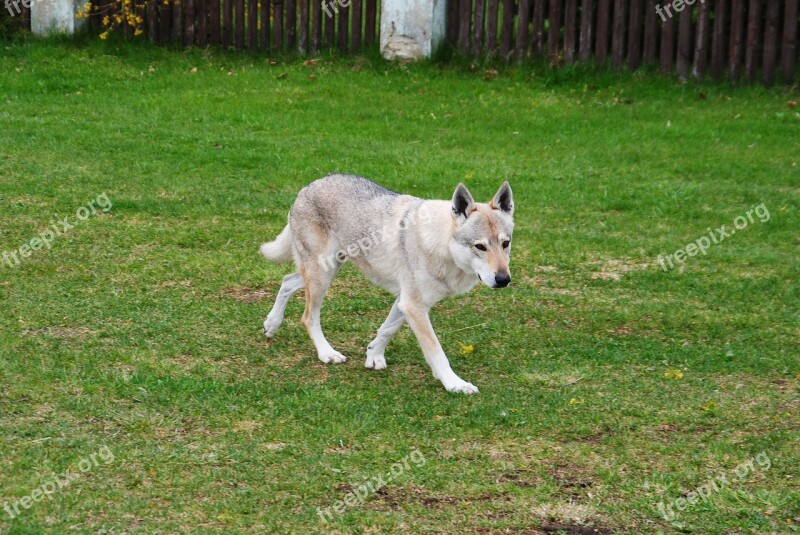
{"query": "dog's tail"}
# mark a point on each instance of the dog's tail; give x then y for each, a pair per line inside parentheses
(279, 250)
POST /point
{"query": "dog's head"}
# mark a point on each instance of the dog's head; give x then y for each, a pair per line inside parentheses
(481, 242)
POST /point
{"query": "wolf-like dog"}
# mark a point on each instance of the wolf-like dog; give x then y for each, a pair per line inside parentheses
(419, 250)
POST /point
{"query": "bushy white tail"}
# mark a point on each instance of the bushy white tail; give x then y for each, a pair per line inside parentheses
(279, 250)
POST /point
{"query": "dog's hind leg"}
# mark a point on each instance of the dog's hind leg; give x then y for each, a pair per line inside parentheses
(375, 349)
(291, 283)
(317, 280)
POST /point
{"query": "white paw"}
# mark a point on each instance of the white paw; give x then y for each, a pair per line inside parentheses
(375, 362)
(271, 327)
(460, 386)
(333, 357)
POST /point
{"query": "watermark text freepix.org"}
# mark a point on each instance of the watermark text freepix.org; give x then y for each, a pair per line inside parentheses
(357, 497)
(56, 228)
(714, 237)
(714, 484)
(677, 5)
(46, 489)
(375, 237)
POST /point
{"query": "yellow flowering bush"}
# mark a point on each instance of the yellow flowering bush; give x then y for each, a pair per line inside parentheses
(116, 14)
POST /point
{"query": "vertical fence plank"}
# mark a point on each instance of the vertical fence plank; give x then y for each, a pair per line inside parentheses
(650, 32)
(152, 21)
(667, 45)
(316, 26)
(302, 29)
(330, 26)
(25, 18)
(252, 24)
(239, 27)
(718, 39)
(202, 23)
(508, 28)
(701, 44)
(165, 22)
(277, 25)
(554, 33)
(491, 27)
(356, 24)
(618, 38)
(789, 45)
(342, 22)
(451, 22)
(601, 48)
(369, 26)
(736, 31)
(684, 43)
(538, 27)
(477, 28)
(290, 28)
(264, 33)
(463, 25)
(753, 31)
(771, 43)
(586, 30)
(227, 22)
(635, 35)
(188, 23)
(177, 21)
(522, 29)
(570, 12)
(213, 22)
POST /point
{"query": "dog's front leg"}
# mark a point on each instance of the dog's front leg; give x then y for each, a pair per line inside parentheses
(420, 323)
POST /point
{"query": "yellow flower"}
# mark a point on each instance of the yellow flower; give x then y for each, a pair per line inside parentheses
(466, 349)
(137, 33)
(106, 21)
(104, 35)
(673, 374)
(575, 401)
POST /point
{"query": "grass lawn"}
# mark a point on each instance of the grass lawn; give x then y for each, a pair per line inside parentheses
(608, 385)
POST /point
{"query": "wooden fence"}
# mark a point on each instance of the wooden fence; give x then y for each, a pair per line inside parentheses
(741, 40)
(734, 39)
(268, 26)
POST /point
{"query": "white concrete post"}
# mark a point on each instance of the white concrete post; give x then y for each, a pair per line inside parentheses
(411, 29)
(55, 16)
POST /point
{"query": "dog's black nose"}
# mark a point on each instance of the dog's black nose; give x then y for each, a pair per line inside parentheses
(501, 280)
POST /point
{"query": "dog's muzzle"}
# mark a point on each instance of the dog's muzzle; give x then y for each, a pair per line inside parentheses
(501, 280)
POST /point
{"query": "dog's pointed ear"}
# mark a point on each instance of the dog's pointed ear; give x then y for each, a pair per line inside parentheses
(463, 203)
(503, 200)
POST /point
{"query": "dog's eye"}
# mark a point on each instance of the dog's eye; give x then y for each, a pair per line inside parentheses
(480, 246)
(506, 243)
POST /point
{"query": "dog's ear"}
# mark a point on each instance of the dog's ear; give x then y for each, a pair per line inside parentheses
(463, 203)
(503, 200)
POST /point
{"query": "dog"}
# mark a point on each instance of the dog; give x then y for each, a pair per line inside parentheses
(419, 250)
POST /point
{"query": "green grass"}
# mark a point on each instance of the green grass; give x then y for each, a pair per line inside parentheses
(140, 329)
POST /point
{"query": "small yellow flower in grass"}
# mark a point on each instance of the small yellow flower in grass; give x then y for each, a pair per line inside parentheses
(672, 373)
(576, 401)
(137, 33)
(104, 35)
(466, 349)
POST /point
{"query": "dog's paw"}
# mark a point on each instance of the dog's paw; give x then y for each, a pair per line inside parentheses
(332, 358)
(375, 362)
(271, 327)
(461, 387)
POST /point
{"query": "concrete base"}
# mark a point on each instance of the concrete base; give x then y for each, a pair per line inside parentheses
(411, 29)
(48, 16)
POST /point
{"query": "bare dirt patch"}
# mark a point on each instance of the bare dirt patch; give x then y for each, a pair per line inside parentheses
(243, 294)
(59, 332)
